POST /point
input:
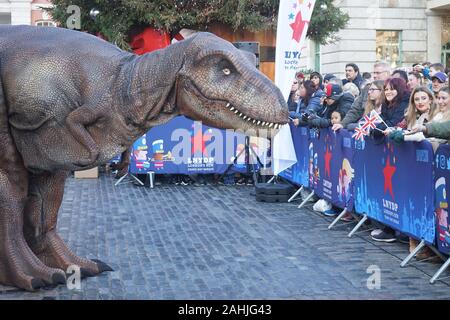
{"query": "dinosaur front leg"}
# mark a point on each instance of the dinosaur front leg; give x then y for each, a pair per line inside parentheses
(41, 215)
(76, 122)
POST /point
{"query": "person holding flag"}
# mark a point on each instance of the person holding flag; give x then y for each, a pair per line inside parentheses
(395, 103)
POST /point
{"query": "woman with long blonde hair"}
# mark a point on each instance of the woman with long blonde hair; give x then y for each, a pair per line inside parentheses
(421, 108)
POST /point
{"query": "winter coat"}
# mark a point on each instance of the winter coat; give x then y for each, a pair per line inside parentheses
(322, 118)
(313, 105)
(438, 130)
(357, 110)
(392, 115)
(358, 81)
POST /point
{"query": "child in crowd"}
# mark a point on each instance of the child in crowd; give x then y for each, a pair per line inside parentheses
(336, 117)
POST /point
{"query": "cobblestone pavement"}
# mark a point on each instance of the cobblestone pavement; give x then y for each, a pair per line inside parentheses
(217, 242)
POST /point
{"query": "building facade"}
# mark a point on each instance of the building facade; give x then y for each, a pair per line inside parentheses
(401, 32)
(27, 12)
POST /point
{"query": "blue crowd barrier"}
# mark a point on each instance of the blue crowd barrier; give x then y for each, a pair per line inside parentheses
(390, 183)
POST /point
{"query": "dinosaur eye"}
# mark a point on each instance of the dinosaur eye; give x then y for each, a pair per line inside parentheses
(226, 71)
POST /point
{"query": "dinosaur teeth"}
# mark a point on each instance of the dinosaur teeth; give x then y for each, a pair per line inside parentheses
(271, 125)
(240, 114)
(249, 119)
(245, 117)
(236, 111)
(254, 121)
(228, 105)
(263, 124)
(259, 122)
(232, 108)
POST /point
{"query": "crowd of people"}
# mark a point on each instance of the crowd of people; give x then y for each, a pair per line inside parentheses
(414, 105)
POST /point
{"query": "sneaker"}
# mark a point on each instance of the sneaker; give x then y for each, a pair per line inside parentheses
(384, 236)
(250, 182)
(330, 213)
(322, 205)
(184, 181)
(240, 182)
(376, 232)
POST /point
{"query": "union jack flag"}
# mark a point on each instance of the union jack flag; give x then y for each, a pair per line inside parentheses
(371, 120)
(360, 132)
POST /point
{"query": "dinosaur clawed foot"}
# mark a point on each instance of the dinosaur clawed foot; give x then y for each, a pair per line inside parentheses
(20, 267)
(54, 252)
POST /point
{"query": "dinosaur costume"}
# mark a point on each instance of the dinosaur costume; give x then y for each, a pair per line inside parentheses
(71, 101)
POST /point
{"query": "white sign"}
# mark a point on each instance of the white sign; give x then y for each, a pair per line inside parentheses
(293, 22)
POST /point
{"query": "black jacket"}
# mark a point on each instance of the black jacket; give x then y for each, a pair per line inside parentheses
(358, 81)
(322, 118)
(392, 115)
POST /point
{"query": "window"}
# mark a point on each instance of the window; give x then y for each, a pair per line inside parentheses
(5, 18)
(446, 55)
(389, 47)
(317, 56)
(46, 24)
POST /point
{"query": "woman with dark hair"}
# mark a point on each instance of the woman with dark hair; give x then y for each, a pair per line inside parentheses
(395, 102)
(309, 101)
(317, 80)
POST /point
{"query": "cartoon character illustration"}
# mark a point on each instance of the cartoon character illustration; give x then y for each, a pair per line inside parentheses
(311, 164)
(441, 211)
(316, 170)
(158, 153)
(346, 174)
(139, 154)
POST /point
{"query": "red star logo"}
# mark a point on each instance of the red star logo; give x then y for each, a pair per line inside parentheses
(298, 26)
(328, 156)
(388, 172)
(198, 142)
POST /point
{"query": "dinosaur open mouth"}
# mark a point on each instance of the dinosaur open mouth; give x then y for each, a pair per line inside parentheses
(260, 123)
(195, 91)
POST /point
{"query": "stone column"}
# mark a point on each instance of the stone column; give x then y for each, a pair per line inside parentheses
(434, 33)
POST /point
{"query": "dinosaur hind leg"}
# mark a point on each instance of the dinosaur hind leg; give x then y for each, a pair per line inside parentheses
(19, 266)
(41, 213)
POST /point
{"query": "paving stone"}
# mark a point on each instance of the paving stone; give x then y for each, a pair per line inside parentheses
(217, 242)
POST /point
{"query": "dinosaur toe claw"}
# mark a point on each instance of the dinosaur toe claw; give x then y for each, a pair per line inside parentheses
(102, 267)
(37, 283)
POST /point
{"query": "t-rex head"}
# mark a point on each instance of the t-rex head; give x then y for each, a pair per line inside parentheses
(220, 86)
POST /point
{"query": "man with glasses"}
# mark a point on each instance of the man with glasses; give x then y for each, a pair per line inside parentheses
(381, 71)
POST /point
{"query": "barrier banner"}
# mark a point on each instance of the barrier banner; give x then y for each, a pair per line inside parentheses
(342, 169)
(441, 188)
(183, 146)
(299, 172)
(331, 162)
(394, 185)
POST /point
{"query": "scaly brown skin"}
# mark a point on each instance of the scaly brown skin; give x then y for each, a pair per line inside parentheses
(71, 101)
